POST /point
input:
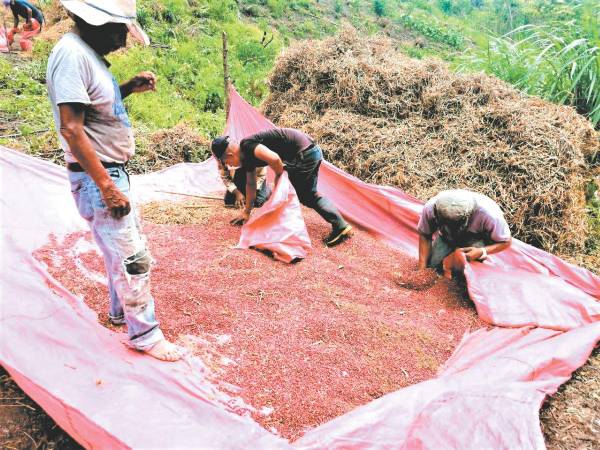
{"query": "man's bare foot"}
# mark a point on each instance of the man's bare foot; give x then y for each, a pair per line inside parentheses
(166, 351)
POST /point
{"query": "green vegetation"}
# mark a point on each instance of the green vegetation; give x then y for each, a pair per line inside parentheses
(188, 62)
(433, 29)
(559, 61)
(25, 115)
(186, 55)
(548, 48)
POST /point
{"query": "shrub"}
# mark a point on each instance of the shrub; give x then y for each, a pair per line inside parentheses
(380, 7)
(559, 64)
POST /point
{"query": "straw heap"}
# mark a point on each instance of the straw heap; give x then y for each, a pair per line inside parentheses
(414, 124)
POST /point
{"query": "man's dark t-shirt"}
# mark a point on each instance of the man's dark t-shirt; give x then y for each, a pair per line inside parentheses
(286, 142)
(20, 8)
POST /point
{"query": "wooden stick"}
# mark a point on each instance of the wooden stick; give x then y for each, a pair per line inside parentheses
(226, 74)
(6, 136)
(208, 197)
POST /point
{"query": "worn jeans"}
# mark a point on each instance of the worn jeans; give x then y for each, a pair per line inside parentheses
(442, 247)
(303, 172)
(126, 257)
(239, 179)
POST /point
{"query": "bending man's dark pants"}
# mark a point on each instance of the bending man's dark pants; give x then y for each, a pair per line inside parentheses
(303, 172)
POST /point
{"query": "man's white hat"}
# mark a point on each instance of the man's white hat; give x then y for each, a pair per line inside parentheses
(455, 204)
(100, 12)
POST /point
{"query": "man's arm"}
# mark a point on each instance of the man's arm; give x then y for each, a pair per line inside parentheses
(271, 158)
(72, 117)
(250, 192)
(476, 253)
(261, 176)
(424, 250)
(250, 198)
(230, 184)
(29, 16)
(142, 82)
(16, 19)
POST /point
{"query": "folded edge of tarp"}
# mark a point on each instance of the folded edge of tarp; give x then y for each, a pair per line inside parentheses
(514, 297)
(487, 395)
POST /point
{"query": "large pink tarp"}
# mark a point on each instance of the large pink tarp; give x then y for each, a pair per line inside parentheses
(106, 396)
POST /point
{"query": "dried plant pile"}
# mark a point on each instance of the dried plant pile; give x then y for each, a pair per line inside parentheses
(571, 418)
(180, 213)
(390, 119)
(164, 148)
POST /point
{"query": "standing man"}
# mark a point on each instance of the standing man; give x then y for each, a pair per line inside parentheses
(97, 138)
(302, 158)
(467, 220)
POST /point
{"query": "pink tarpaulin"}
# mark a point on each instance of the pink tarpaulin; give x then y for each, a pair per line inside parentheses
(277, 226)
(3, 40)
(487, 395)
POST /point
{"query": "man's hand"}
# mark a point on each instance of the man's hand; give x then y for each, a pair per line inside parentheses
(241, 220)
(72, 117)
(239, 199)
(142, 82)
(115, 201)
(472, 253)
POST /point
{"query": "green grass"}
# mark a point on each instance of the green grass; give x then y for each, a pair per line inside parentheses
(25, 112)
(190, 67)
(561, 65)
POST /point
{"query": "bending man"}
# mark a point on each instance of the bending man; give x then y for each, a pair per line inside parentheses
(97, 138)
(466, 220)
(32, 15)
(302, 158)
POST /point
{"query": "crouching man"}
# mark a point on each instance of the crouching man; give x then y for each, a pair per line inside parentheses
(467, 220)
(97, 139)
(235, 186)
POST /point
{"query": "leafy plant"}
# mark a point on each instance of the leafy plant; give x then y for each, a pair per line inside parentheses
(380, 7)
(433, 30)
(559, 64)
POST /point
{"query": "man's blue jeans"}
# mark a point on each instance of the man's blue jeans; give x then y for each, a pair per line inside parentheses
(126, 257)
(303, 172)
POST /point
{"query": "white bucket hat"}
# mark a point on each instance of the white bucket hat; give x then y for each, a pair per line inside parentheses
(455, 205)
(100, 12)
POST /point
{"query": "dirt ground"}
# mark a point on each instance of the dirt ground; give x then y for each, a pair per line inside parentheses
(24, 425)
(334, 299)
(571, 418)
